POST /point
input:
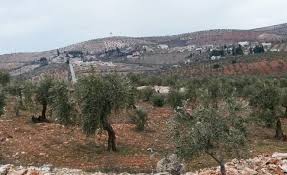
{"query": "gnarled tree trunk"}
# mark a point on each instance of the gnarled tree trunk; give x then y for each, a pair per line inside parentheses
(279, 131)
(111, 135)
(220, 161)
(44, 109)
(222, 168)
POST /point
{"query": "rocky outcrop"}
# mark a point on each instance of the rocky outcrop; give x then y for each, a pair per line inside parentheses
(260, 165)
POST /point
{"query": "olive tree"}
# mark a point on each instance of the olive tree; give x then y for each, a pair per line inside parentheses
(217, 132)
(61, 103)
(217, 90)
(28, 92)
(98, 97)
(284, 100)
(43, 94)
(2, 101)
(15, 89)
(267, 107)
(4, 80)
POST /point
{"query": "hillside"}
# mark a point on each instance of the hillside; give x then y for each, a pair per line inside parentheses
(212, 37)
(267, 64)
(280, 29)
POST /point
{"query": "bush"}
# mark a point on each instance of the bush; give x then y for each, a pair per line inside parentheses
(158, 100)
(175, 99)
(146, 94)
(140, 119)
(216, 66)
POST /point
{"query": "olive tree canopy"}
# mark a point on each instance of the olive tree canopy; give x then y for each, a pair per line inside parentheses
(98, 96)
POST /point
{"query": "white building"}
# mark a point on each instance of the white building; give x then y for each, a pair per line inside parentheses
(163, 46)
(215, 57)
(275, 50)
(267, 46)
(243, 43)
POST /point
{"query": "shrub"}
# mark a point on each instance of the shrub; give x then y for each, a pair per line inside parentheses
(175, 98)
(139, 119)
(146, 94)
(216, 66)
(158, 100)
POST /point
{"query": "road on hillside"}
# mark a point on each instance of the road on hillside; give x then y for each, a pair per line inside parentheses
(74, 79)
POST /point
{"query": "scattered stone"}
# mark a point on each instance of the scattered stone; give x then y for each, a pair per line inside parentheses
(18, 172)
(279, 155)
(170, 164)
(4, 169)
(248, 171)
(42, 154)
(260, 165)
(284, 168)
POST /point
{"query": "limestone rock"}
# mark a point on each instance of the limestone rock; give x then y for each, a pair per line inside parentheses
(18, 172)
(170, 164)
(284, 168)
(248, 171)
(279, 155)
(4, 169)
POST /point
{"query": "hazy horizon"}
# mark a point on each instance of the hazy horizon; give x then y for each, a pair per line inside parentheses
(31, 25)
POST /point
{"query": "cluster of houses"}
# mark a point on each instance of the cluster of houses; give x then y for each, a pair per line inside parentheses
(241, 48)
(221, 51)
(209, 51)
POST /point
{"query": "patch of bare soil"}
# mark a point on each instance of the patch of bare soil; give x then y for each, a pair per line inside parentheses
(26, 143)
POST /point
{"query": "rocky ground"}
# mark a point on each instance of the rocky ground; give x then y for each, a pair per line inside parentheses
(260, 165)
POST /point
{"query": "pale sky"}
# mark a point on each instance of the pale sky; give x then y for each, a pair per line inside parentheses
(37, 25)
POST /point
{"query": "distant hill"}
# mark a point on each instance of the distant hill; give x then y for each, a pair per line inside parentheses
(280, 29)
(100, 45)
(274, 33)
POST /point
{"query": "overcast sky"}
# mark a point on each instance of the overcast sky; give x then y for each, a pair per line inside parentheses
(36, 25)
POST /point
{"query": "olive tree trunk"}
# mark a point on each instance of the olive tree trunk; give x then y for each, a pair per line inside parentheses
(279, 131)
(111, 135)
(222, 168)
(44, 109)
(220, 161)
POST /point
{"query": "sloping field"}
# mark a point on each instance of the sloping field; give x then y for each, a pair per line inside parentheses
(243, 66)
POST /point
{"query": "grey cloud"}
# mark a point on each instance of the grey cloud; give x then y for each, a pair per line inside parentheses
(34, 25)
